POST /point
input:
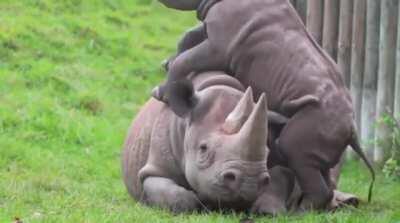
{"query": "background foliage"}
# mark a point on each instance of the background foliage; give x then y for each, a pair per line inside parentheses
(391, 168)
(72, 75)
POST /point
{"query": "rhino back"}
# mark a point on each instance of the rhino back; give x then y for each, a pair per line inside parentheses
(269, 48)
(137, 146)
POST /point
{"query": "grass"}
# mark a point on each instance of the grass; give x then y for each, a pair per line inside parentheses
(72, 75)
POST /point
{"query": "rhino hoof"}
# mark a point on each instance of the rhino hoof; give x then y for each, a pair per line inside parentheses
(165, 65)
(352, 202)
(269, 211)
(159, 93)
(155, 93)
(185, 201)
(342, 199)
(268, 208)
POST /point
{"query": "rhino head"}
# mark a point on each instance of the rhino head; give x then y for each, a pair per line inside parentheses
(181, 4)
(225, 152)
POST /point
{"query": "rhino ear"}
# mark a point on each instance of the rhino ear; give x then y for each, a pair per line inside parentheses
(182, 97)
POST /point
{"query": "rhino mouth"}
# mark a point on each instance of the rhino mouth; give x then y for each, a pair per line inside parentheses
(238, 182)
(226, 198)
(248, 190)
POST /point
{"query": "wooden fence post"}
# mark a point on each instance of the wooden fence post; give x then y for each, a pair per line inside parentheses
(397, 86)
(345, 33)
(330, 28)
(301, 7)
(386, 75)
(314, 19)
(357, 58)
(370, 77)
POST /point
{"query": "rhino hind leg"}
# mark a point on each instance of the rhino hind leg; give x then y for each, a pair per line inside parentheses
(335, 172)
(316, 193)
(165, 193)
(311, 151)
(347, 199)
(341, 199)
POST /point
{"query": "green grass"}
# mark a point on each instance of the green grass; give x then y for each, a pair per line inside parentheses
(72, 75)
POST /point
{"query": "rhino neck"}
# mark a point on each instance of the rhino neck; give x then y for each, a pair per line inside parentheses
(204, 7)
(177, 131)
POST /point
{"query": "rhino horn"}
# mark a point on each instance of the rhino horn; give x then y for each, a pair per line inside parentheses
(254, 132)
(240, 113)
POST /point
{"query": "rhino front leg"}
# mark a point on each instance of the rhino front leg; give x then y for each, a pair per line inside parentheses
(202, 57)
(165, 193)
(190, 39)
(273, 200)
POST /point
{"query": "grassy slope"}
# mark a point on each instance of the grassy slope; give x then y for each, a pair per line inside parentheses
(72, 75)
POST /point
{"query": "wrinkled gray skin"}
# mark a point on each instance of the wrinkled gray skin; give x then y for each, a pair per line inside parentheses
(264, 44)
(213, 156)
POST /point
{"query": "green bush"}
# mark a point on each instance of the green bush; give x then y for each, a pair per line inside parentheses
(391, 168)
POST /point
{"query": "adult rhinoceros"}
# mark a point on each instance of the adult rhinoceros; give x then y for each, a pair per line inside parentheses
(214, 156)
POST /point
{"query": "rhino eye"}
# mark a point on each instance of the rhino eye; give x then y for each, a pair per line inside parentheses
(203, 148)
(205, 156)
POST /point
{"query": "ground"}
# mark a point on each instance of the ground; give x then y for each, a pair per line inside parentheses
(72, 75)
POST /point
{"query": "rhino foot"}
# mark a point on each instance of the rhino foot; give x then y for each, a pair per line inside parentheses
(269, 206)
(341, 199)
(185, 201)
(165, 64)
(158, 93)
(165, 193)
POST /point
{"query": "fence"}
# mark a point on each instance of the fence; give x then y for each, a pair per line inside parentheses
(363, 37)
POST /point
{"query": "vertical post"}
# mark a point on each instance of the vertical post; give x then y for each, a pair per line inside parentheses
(314, 19)
(330, 28)
(345, 36)
(397, 86)
(370, 77)
(301, 6)
(387, 68)
(357, 58)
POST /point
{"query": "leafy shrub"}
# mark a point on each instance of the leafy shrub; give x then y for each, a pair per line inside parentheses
(391, 168)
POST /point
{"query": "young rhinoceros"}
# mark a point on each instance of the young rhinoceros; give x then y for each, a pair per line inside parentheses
(213, 156)
(265, 45)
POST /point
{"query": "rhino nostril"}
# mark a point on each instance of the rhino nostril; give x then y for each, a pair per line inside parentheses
(229, 176)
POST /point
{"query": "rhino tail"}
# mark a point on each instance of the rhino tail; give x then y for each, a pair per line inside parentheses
(355, 144)
(295, 104)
